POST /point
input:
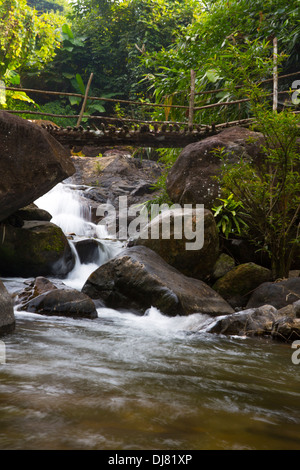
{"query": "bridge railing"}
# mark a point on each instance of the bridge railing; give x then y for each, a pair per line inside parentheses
(190, 109)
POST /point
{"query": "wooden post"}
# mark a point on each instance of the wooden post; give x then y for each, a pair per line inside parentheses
(275, 75)
(85, 99)
(192, 99)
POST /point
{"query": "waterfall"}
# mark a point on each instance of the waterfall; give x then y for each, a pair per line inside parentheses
(69, 211)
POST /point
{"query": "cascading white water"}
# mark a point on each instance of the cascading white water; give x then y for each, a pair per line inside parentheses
(65, 204)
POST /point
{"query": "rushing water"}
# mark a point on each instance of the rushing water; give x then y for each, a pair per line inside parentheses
(123, 381)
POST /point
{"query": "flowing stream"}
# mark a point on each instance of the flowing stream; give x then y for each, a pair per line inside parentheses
(130, 382)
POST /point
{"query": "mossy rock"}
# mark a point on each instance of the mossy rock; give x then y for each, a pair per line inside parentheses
(223, 265)
(237, 285)
(39, 248)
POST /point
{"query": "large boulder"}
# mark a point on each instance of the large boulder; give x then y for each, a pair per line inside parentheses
(62, 302)
(279, 293)
(113, 175)
(192, 177)
(37, 248)
(236, 285)
(178, 249)
(138, 278)
(7, 317)
(31, 163)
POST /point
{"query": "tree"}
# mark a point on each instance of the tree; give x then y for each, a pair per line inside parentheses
(269, 190)
(217, 24)
(119, 33)
(27, 40)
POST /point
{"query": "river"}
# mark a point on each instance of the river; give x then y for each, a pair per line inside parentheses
(129, 382)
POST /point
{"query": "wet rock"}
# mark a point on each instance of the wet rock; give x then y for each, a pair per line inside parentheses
(32, 212)
(38, 286)
(279, 293)
(88, 250)
(38, 248)
(62, 302)
(116, 174)
(7, 317)
(250, 322)
(286, 329)
(237, 285)
(32, 162)
(176, 246)
(192, 177)
(138, 278)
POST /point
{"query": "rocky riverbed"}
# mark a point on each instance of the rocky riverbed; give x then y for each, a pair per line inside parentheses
(228, 284)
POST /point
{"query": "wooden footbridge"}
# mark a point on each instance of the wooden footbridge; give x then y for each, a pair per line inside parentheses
(108, 131)
(145, 135)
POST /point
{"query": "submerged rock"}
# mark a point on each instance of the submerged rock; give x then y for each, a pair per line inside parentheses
(32, 162)
(175, 249)
(7, 317)
(38, 248)
(138, 278)
(62, 302)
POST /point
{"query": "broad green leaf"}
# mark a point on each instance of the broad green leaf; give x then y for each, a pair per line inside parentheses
(67, 30)
(80, 83)
(213, 75)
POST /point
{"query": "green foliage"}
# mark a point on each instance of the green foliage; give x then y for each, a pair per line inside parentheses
(167, 159)
(27, 40)
(229, 217)
(120, 33)
(269, 189)
(221, 26)
(60, 107)
(60, 6)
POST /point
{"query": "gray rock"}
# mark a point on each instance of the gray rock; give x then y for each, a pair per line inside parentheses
(138, 278)
(286, 329)
(192, 177)
(38, 248)
(223, 265)
(31, 163)
(62, 302)
(175, 249)
(250, 322)
(7, 317)
(237, 284)
(279, 293)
